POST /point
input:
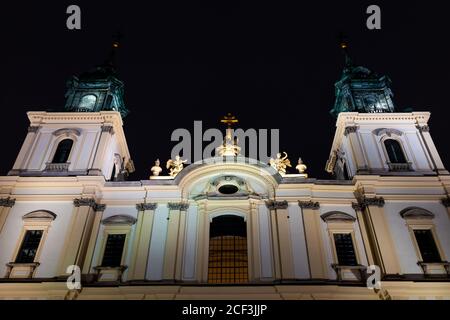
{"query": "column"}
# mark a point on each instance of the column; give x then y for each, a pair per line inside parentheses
(351, 132)
(367, 240)
(141, 242)
(318, 267)
(5, 206)
(105, 137)
(378, 228)
(78, 235)
(170, 253)
(99, 209)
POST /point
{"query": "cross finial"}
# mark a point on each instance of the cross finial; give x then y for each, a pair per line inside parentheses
(229, 120)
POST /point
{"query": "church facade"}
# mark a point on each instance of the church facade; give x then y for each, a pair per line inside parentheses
(227, 227)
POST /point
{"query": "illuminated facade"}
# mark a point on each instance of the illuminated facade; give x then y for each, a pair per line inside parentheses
(228, 227)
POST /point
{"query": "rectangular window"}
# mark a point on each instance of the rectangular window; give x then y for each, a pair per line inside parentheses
(113, 250)
(344, 249)
(29, 247)
(427, 246)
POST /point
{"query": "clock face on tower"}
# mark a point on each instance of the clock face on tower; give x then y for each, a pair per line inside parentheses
(88, 102)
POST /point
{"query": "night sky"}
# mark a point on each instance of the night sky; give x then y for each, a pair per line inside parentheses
(272, 66)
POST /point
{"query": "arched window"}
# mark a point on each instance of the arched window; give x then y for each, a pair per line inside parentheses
(394, 151)
(88, 102)
(63, 151)
(228, 261)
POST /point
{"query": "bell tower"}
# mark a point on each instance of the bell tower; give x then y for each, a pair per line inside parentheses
(98, 89)
(371, 137)
(87, 138)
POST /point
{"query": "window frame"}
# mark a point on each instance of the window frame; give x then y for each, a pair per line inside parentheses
(35, 220)
(420, 224)
(386, 154)
(56, 143)
(56, 149)
(111, 230)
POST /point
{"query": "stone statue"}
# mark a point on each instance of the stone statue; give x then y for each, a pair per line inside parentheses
(117, 165)
(156, 169)
(280, 163)
(175, 166)
(301, 167)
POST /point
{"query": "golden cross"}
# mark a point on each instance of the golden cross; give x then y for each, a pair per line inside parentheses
(229, 120)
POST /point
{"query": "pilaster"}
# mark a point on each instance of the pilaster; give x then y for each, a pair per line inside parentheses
(170, 253)
(280, 209)
(5, 206)
(78, 235)
(141, 244)
(107, 131)
(314, 242)
(383, 246)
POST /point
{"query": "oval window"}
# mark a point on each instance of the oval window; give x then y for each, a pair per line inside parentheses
(228, 189)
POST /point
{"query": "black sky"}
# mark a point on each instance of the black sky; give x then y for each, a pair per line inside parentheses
(272, 65)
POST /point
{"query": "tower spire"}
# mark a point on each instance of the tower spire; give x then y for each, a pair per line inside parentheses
(343, 44)
(115, 45)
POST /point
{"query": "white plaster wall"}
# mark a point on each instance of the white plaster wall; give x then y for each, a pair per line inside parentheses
(157, 244)
(403, 241)
(299, 251)
(52, 247)
(37, 157)
(84, 150)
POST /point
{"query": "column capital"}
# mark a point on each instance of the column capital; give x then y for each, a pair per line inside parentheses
(308, 204)
(357, 206)
(108, 128)
(424, 128)
(33, 129)
(446, 202)
(146, 206)
(350, 129)
(89, 202)
(7, 202)
(364, 201)
(272, 204)
(182, 206)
